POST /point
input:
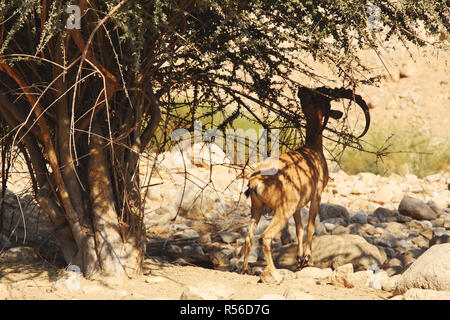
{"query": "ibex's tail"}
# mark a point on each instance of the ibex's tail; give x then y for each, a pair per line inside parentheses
(254, 185)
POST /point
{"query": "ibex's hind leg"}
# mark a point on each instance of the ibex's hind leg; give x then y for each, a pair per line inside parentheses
(313, 210)
(278, 222)
(299, 230)
(256, 211)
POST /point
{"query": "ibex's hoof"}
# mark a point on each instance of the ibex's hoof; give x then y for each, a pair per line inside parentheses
(303, 262)
(244, 271)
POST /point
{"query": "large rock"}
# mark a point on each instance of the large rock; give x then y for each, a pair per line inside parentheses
(336, 250)
(333, 251)
(430, 271)
(416, 208)
(328, 210)
(426, 294)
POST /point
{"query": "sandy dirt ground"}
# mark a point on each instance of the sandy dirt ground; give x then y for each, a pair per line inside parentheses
(160, 281)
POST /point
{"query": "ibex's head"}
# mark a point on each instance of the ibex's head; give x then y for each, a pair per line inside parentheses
(317, 103)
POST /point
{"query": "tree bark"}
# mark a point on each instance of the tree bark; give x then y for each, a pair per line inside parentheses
(116, 254)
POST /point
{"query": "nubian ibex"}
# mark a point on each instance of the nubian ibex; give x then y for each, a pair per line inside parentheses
(299, 177)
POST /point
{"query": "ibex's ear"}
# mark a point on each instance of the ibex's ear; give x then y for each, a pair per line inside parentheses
(335, 114)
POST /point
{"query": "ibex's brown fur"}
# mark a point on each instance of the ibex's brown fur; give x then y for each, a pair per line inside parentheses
(299, 178)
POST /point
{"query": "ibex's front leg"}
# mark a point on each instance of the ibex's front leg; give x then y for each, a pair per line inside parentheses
(256, 215)
(313, 210)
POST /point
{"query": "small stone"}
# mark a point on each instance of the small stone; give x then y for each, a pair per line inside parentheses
(207, 291)
(397, 229)
(420, 242)
(439, 222)
(340, 230)
(383, 195)
(228, 237)
(433, 178)
(221, 256)
(405, 243)
(402, 218)
(376, 280)
(447, 221)
(395, 262)
(366, 229)
(425, 228)
(439, 231)
(315, 273)
(415, 188)
(329, 226)
(173, 250)
(205, 239)
(416, 208)
(341, 273)
(359, 188)
(291, 294)
(154, 279)
(411, 178)
(383, 213)
(372, 220)
(276, 276)
(390, 283)
(359, 218)
(387, 239)
(328, 210)
(19, 254)
(236, 264)
(190, 233)
(445, 238)
(359, 279)
(361, 204)
(335, 221)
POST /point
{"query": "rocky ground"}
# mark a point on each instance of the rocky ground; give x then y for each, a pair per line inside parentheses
(376, 237)
(370, 232)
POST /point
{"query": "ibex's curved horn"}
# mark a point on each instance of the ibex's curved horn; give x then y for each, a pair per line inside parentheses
(341, 93)
(325, 121)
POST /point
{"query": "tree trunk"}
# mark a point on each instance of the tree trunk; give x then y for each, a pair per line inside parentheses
(116, 254)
